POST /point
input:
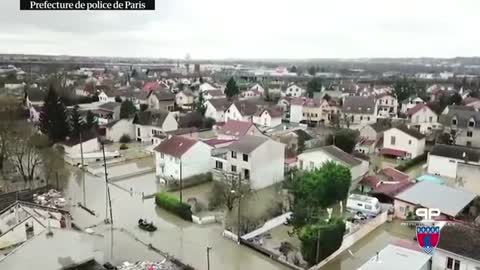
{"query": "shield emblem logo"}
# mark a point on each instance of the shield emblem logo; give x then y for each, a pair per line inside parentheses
(428, 237)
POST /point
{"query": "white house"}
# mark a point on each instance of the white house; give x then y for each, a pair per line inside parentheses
(72, 145)
(296, 110)
(151, 123)
(104, 97)
(213, 94)
(387, 105)
(258, 161)
(206, 87)
(314, 158)
(294, 91)
(403, 142)
(360, 110)
(185, 99)
(444, 160)
(216, 109)
(161, 100)
(241, 111)
(269, 117)
(116, 129)
(181, 157)
(458, 248)
(409, 103)
(394, 257)
(423, 118)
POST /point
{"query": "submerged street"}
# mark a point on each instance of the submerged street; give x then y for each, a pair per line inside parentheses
(184, 240)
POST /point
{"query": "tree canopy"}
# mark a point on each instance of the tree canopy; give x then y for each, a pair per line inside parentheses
(345, 139)
(315, 85)
(127, 109)
(53, 117)
(231, 89)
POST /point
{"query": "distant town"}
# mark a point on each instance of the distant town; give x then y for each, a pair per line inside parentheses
(331, 164)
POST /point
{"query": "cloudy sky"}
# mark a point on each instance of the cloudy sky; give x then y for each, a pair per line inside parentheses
(250, 29)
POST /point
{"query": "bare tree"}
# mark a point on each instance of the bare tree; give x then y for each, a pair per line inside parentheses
(9, 114)
(26, 155)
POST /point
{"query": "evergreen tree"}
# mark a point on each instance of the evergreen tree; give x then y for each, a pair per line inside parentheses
(231, 89)
(91, 120)
(53, 118)
(76, 122)
(127, 109)
(200, 105)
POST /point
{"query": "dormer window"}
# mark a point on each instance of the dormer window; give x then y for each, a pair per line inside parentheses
(471, 123)
(454, 122)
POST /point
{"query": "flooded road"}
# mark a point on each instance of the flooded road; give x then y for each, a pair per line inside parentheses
(184, 240)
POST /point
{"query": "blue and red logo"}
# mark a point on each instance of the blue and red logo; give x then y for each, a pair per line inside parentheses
(428, 237)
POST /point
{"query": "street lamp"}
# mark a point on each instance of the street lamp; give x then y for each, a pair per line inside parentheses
(208, 257)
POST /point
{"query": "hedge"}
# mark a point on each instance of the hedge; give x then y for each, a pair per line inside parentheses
(172, 204)
(414, 161)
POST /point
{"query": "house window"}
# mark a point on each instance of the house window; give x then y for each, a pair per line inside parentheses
(138, 132)
(453, 264)
(361, 118)
(368, 118)
(162, 156)
(218, 165)
(469, 133)
(454, 122)
(234, 168)
(471, 123)
(409, 142)
(312, 165)
(245, 157)
(430, 119)
(234, 154)
(469, 143)
(246, 174)
(392, 140)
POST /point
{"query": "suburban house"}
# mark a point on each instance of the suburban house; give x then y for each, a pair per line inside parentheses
(449, 160)
(114, 130)
(213, 94)
(185, 99)
(461, 123)
(314, 158)
(269, 117)
(72, 146)
(294, 91)
(107, 112)
(403, 142)
(180, 157)
(314, 111)
(234, 129)
(258, 88)
(216, 109)
(450, 201)
(258, 161)
(387, 105)
(370, 137)
(150, 123)
(240, 110)
(251, 93)
(360, 110)
(410, 102)
(206, 87)
(385, 184)
(106, 96)
(423, 118)
(458, 248)
(161, 100)
(395, 257)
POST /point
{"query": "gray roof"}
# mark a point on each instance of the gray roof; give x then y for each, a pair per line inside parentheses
(220, 104)
(164, 95)
(462, 115)
(357, 104)
(456, 152)
(247, 144)
(397, 258)
(461, 240)
(338, 154)
(450, 201)
(109, 106)
(412, 132)
(151, 118)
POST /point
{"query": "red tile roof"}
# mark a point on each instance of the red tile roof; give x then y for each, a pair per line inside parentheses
(151, 86)
(388, 181)
(469, 100)
(175, 146)
(417, 108)
(393, 152)
(236, 128)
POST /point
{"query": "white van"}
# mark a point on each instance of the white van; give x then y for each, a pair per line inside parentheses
(365, 204)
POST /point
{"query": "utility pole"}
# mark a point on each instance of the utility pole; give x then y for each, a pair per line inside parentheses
(181, 181)
(239, 203)
(318, 246)
(108, 200)
(208, 257)
(83, 170)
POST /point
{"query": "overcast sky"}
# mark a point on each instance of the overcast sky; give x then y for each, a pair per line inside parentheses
(251, 29)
